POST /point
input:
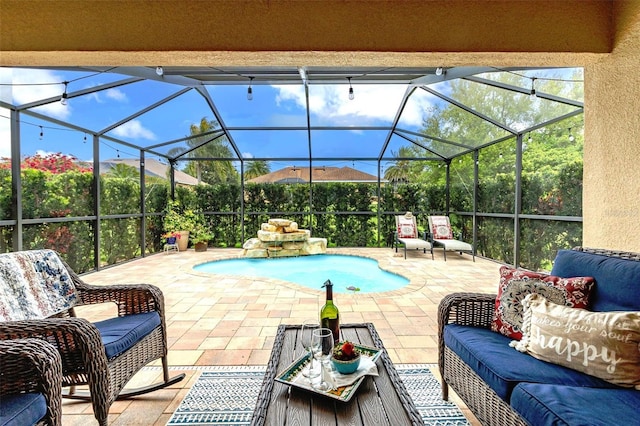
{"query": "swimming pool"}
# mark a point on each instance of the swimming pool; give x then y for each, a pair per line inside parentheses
(312, 271)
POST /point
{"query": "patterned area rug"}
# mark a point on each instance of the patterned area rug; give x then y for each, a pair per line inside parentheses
(227, 396)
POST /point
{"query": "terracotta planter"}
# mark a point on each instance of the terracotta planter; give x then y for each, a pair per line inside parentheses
(200, 246)
(183, 241)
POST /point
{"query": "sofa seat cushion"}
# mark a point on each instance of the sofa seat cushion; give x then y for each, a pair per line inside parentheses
(556, 405)
(22, 409)
(121, 333)
(617, 280)
(502, 367)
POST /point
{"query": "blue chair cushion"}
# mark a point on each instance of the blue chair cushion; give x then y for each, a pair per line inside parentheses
(543, 405)
(121, 333)
(22, 409)
(502, 367)
(617, 285)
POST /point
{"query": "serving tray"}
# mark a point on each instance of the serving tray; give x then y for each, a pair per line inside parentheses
(291, 375)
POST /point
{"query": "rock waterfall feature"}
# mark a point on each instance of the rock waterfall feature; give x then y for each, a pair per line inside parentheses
(282, 238)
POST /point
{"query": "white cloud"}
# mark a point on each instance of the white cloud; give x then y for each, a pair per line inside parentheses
(116, 95)
(247, 155)
(43, 153)
(372, 104)
(135, 130)
(23, 92)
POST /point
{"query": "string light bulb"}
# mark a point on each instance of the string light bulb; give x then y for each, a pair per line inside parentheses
(250, 90)
(571, 138)
(439, 71)
(64, 97)
(532, 93)
(160, 71)
(84, 140)
(351, 94)
(530, 138)
(41, 133)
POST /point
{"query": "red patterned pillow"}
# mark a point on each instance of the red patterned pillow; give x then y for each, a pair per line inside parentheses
(406, 228)
(441, 228)
(516, 284)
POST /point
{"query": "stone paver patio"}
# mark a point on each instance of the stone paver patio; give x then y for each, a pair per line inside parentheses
(230, 320)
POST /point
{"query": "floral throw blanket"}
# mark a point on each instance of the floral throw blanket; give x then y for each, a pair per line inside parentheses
(34, 285)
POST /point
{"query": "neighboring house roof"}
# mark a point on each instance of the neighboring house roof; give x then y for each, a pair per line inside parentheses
(296, 174)
(151, 168)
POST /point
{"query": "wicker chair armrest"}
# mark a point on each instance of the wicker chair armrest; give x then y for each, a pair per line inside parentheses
(76, 339)
(33, 365)
(474, 309)
(130, 298)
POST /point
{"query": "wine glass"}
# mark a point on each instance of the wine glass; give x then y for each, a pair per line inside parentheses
(322, 348)
(306, 333)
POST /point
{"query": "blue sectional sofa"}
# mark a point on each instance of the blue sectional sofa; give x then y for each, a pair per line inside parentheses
(502, 386)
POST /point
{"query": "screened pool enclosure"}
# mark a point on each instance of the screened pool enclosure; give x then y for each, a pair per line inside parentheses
(91, 155)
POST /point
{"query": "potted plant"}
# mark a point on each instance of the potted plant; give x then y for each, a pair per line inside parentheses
(200, 236)
(180, 221)
(170, 237)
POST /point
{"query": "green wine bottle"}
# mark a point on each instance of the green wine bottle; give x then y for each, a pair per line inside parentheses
(329, 315)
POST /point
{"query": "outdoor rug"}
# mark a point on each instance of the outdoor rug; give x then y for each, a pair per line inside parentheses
(227, 396)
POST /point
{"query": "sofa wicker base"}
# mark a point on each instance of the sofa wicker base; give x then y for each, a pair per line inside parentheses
(485, 404)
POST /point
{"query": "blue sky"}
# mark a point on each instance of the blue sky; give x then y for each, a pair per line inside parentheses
(271, 106)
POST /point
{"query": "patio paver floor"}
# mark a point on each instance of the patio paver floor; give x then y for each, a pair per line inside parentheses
(231, 320)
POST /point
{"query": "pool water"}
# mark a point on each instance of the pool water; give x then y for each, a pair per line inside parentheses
(313, 271)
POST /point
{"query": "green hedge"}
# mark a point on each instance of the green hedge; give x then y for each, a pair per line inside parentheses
(68, 194)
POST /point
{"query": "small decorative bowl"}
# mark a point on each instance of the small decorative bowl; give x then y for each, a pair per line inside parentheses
(346, 367)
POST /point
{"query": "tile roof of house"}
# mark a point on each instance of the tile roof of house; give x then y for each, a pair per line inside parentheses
(151, 168)
(297, 174)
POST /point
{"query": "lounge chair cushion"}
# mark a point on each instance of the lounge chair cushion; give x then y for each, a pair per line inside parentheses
(121, 333)
(502, 367)
(552, 405)
(441, 227)
(617, 280)
(22, 409)
(415, 243)
(34, 284)
(454, 245)
(406, 227)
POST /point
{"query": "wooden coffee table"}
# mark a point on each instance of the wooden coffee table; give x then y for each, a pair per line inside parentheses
(380, 400)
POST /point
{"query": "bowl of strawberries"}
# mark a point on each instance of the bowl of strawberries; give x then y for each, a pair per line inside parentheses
(345, 357)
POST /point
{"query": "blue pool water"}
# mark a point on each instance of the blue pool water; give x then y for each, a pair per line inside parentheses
(313, 271)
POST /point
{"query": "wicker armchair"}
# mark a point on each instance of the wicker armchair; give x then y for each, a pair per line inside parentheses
(31, 366)
(85, 360)
(476, 309)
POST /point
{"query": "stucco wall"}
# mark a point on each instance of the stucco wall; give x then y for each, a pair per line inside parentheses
(611, 196)
(378, 33)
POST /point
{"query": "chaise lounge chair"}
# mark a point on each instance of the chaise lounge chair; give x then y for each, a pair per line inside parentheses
(406, 233)
(441, 236)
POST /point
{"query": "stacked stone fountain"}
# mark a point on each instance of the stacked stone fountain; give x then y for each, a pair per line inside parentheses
(282, 238)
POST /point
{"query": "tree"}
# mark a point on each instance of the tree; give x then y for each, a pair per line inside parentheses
(256, 168)
(400, 171)
(211, 170)
(124, 171)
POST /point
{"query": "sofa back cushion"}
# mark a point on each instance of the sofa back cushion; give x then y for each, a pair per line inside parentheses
(617, 281)
(34, 285)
